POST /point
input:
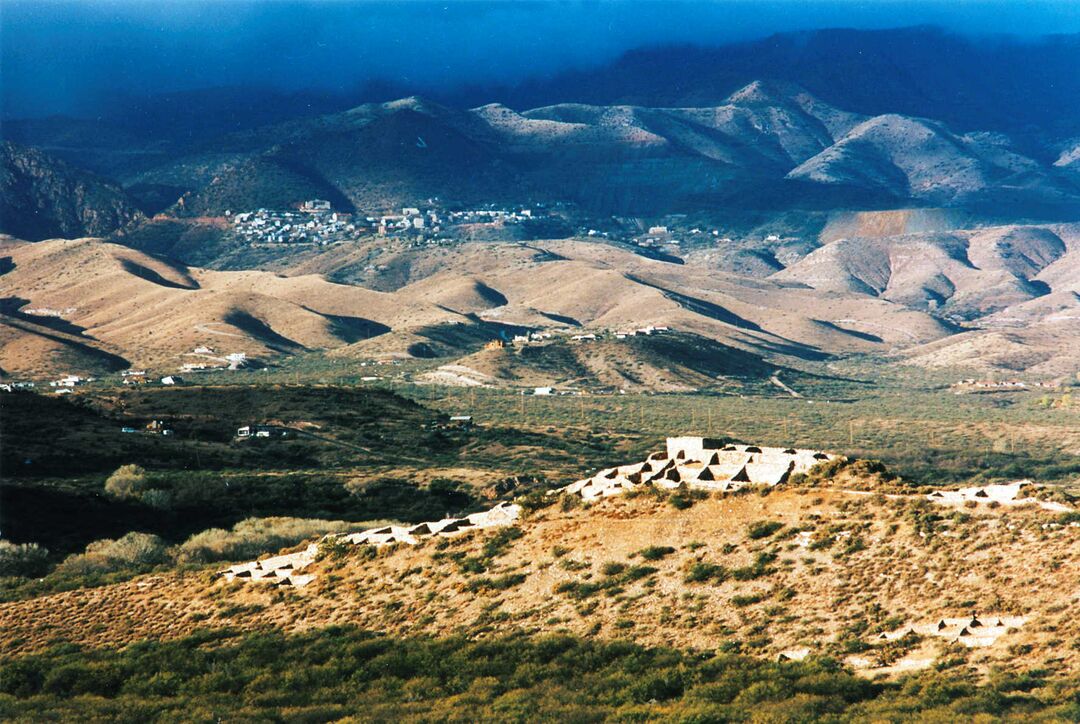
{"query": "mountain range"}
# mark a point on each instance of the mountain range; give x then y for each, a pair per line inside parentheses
(768, 145)
(870, 224)
(822, 119)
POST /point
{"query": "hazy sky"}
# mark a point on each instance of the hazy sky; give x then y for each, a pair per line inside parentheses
(66, 56)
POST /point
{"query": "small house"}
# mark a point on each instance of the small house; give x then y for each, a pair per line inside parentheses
(463, 422)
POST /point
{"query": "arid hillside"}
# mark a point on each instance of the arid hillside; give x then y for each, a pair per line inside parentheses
(878, 576)
(71, 303)
(992, 298)
(85, 305)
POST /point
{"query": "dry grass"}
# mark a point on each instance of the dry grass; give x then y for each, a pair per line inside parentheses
(871, 562)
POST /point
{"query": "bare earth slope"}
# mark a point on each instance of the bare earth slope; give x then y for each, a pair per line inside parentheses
(843, 569)
(1017, 288)
(150, 311)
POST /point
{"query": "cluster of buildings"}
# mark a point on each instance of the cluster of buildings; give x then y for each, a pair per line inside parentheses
(433, 222)
(1013, 384)
(210, 360)
(314, 223)
(622, 333)
(287, 570)
(67, 383)
(701, 463)
(546, 336)
(263, 431)
(492, 216)
(154, 427)
(140, 377)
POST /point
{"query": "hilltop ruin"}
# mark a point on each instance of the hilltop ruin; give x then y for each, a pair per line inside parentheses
(704, 463)
(699, 462)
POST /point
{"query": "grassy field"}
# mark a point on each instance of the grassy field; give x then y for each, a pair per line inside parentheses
(929, 436)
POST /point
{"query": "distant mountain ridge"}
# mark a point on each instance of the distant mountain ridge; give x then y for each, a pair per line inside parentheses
(825, 119)
(1000, 83)
(768, 143)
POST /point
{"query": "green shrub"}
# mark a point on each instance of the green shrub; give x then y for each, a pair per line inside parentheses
(500, 583)
(27, 560)
(655, 553)
(701, 571)
(346, 673)
(763, 529)
(611, 568)
(253, 537)
(128, 481)
(133, 551)
(757, 569)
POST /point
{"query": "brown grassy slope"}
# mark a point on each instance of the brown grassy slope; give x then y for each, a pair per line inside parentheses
(152, 310)
(877, 573)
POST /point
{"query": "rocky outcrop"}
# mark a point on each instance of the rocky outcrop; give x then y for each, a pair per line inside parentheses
(42, 197)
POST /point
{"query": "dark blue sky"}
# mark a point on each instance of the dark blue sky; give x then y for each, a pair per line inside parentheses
(67, 56)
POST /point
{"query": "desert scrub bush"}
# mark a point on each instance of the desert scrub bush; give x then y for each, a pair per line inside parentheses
(500, 542)
(757, 569)
(742, 601)
(611, 568)
(655, 553)
(499, 583)
(334, 547)
(534, 501)
(552, 677)
(569, 564)
(26, 560)
(127, 481)
(253, 537)
(763, 529)
(868, 471)
(701, 571)
(616, 575)
(134, 550)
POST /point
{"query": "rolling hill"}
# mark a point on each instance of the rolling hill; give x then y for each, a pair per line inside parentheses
(886, 579)
(129, 307)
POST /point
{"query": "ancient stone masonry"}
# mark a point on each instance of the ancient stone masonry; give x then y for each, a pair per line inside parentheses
(1021, 492)
(703, 463)
(287, 570)
(698, 462)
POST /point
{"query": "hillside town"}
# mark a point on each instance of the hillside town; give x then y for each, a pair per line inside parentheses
(315, 222)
